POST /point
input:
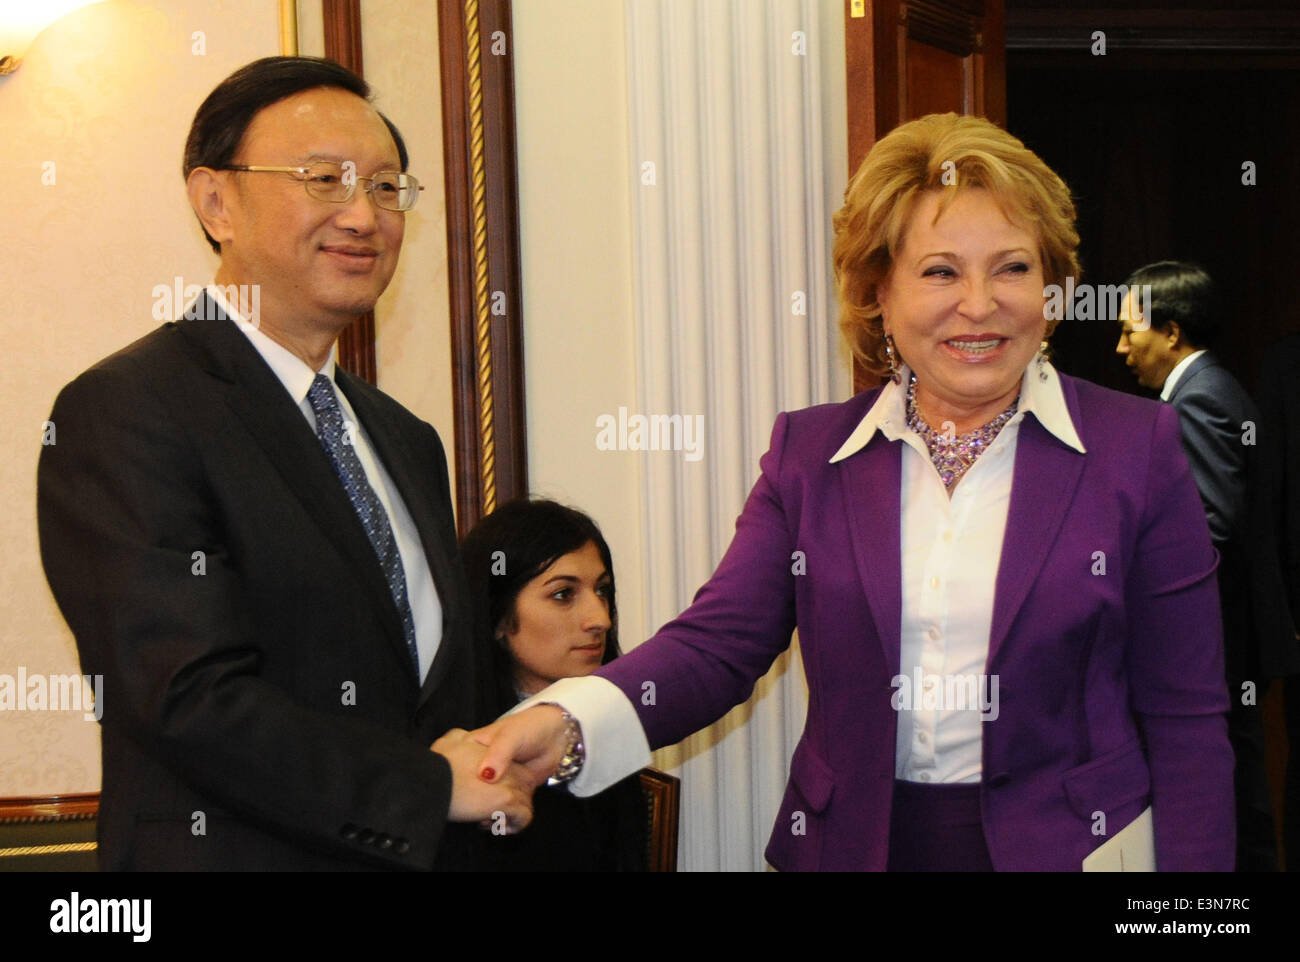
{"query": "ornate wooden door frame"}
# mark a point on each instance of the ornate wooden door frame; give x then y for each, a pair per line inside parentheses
(482, 186)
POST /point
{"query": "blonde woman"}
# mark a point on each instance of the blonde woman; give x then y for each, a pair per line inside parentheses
(981, 526)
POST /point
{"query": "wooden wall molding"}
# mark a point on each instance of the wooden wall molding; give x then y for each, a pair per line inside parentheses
(343, 45)
(1182, 31)
(49, 808)
(481, 180)
(343, 33)
(954, 27)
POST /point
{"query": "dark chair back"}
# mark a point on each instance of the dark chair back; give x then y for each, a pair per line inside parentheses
(662, 793)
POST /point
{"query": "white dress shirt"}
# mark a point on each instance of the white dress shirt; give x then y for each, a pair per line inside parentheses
(951, 548)
(297, 377)
(1172, 380)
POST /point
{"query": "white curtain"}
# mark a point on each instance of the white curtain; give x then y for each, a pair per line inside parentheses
(736, 110)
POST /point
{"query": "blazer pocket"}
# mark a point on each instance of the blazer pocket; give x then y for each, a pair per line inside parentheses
(797, 837)
(1109, 782)
(812, 777)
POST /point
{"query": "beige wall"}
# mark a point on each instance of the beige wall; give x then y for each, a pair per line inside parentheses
(413, 339)
(576, 244)
(107, 94)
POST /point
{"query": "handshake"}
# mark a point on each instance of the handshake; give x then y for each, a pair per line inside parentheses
(495, 769)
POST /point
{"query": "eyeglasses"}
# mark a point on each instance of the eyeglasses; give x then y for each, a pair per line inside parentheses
(389, 189)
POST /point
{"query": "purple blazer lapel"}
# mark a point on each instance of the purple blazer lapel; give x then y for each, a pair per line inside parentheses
(871, 481)
(1046, 475)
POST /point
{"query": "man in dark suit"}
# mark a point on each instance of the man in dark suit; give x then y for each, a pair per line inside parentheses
(256, 549)
(1279, 404)
(1168, 350)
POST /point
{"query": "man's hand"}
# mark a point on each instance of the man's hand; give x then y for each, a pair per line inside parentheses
(532, 739)
(476, 800)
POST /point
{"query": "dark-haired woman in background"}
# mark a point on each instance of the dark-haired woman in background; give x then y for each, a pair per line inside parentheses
(542, 589)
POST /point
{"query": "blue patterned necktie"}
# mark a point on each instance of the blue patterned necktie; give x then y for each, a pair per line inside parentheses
(338, 447)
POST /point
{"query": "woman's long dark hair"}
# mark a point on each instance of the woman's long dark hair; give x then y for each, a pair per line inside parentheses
(509, 548)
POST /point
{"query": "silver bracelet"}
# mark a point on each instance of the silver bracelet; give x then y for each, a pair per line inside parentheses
(575, 752)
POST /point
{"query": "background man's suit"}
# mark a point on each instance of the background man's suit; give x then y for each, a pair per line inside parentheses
(273, 693)
(1259, 644)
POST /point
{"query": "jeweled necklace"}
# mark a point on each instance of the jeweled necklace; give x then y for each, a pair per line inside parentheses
(952, 455)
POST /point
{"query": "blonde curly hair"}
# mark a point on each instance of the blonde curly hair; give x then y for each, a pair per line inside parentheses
(928, 154)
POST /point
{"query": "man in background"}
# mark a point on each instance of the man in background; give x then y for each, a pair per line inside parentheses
(1169, 352)
(256, 549)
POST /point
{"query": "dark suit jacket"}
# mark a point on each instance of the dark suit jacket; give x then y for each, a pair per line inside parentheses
(225, 691)
(1214, 412)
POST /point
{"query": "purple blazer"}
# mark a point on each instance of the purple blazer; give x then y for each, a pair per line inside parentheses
(1111, 686)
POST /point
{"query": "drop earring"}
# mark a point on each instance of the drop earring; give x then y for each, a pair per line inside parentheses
(892, 357)
(1042, 361)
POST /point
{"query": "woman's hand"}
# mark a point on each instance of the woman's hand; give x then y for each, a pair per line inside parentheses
(509, 797)
(533, 740)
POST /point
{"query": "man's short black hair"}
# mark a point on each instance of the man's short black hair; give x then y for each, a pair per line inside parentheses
(223, 118)
(1183, 294)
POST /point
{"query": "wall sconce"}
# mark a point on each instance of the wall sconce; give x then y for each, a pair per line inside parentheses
(21, 21)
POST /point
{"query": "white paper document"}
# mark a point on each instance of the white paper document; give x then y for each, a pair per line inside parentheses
(1133, 849)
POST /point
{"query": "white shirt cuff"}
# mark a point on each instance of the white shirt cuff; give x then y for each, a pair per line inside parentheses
(615, 741)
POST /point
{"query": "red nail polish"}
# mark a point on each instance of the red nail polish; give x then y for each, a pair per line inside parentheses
(488, 774)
